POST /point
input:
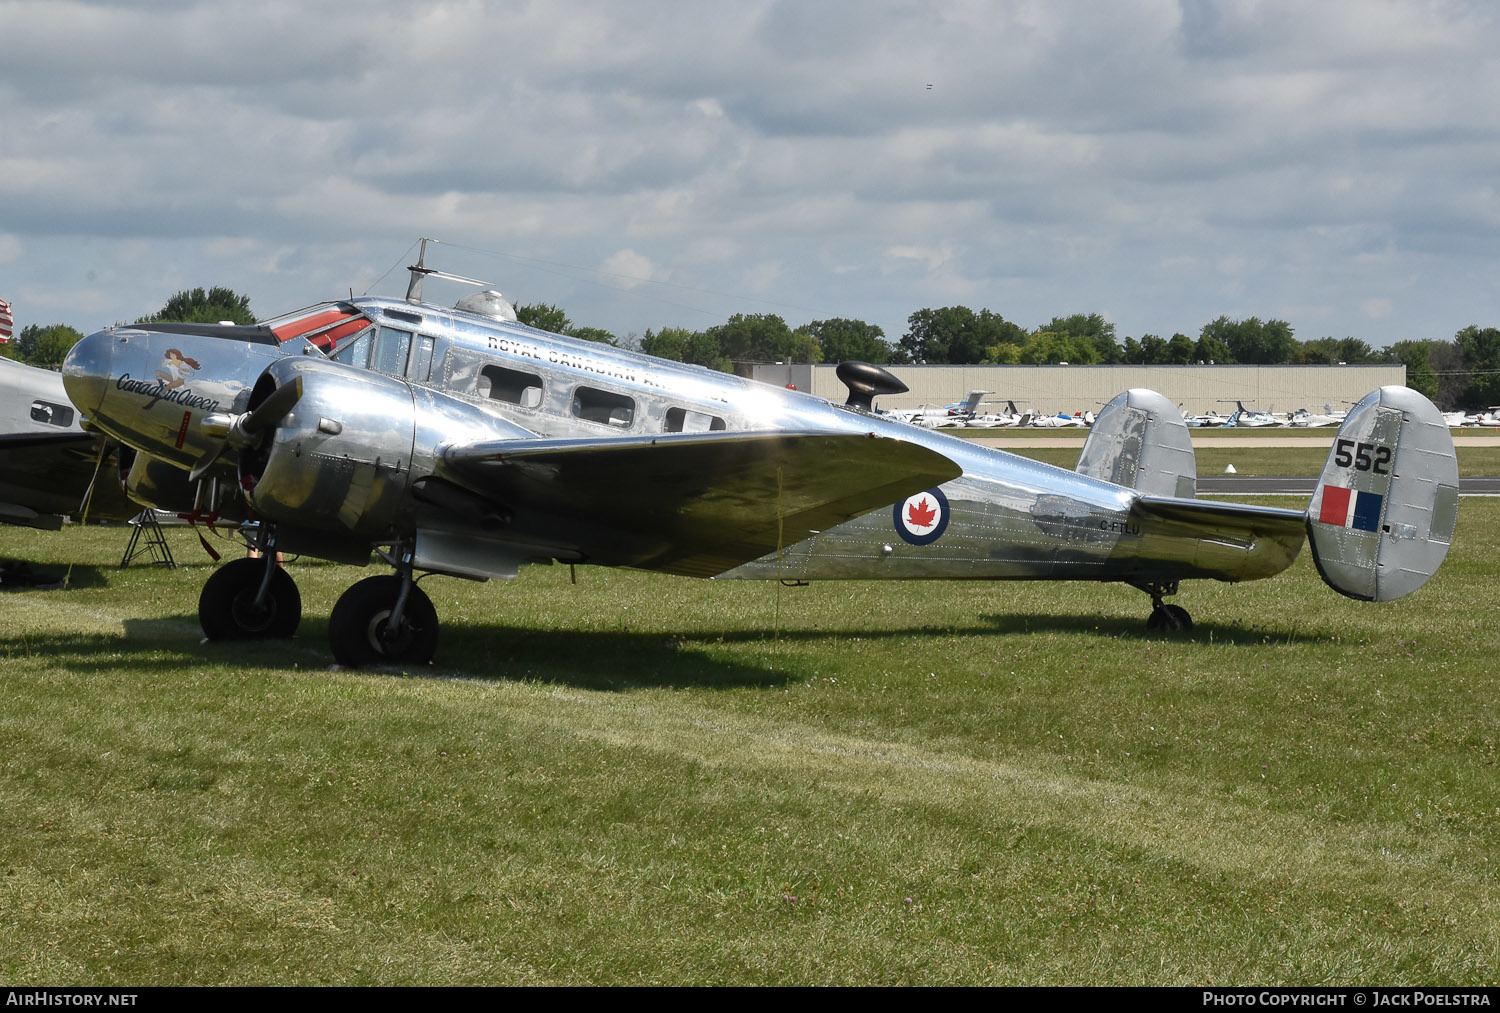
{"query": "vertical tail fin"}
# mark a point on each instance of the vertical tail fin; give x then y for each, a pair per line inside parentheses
(1383, 514)
(1139, 440)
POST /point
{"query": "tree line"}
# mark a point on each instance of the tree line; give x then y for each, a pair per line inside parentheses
(1461, 373)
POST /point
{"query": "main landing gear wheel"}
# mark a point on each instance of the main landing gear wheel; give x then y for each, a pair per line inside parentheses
(360, 631)
(227, 608)
(1166, 618)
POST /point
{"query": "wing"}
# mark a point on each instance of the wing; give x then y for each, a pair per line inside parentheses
(43, 476)
(694, 503)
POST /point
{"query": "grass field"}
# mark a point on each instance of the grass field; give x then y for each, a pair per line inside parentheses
(644, 779)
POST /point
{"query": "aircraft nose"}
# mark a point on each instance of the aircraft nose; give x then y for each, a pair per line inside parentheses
(86, 371)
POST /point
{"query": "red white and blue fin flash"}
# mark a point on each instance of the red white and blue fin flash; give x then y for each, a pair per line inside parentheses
(1350, 508)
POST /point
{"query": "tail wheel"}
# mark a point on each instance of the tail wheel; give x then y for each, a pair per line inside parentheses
(360, 630)
(227, 608)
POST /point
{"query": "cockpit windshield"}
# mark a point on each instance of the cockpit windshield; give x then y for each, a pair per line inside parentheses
(327, 325)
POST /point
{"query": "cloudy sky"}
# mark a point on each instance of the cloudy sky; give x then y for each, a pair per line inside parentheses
(648, 164)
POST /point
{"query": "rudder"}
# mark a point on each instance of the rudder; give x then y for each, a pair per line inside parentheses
(1382, 517)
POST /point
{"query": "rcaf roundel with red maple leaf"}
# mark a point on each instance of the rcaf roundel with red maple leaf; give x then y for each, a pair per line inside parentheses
(922, 519)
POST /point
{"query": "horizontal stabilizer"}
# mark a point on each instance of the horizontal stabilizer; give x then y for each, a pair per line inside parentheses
(690, 503)
(1383, 514)
(1140, 441)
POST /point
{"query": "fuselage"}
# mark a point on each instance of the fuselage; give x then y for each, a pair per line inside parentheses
(1006, 517)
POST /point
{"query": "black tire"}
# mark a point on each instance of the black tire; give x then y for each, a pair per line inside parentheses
(226, 608)
(1169, 619)
(357, 629)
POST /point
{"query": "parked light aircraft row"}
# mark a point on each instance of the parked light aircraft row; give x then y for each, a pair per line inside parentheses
(456, 441)
(969, 415)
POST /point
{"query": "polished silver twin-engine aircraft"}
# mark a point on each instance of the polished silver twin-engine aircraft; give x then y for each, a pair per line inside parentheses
(458, 441)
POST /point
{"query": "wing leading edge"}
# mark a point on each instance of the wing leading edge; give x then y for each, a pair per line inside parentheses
(693, 504)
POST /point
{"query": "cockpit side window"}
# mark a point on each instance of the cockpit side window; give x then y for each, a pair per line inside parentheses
(390, 351)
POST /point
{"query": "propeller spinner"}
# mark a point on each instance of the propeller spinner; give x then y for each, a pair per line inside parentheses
(246, 430)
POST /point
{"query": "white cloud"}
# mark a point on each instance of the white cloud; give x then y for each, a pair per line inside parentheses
(629, 268)
(1171, 161)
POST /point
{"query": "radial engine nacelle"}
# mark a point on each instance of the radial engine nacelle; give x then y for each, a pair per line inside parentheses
(346, 456)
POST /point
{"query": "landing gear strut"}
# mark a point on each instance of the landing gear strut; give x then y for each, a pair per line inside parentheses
(251, 599)
(1165, 618)
(384, 619)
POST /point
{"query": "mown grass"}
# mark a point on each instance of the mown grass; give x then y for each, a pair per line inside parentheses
(637, 779)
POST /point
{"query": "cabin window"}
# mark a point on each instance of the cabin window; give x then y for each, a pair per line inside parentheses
(604, 406)
(391, 348)
(513, 386)
(681, 420)
(52, 414)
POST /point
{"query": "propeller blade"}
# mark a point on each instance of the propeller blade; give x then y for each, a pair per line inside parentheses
(207, 462)
(274, 408)
(88, 494)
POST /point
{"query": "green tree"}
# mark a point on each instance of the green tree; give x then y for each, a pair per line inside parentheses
(841, 340)
(543, 316)
(1447, 361)
(1004, 354)
(1357, 352)
(955, 334)
(1331, 351)
(937, 335)
(1420, 377)
(42, 345)
(1092, 327)
(598, 334)
(1481, 358)
(547, 317)
(763, 337)
(196, 306)
(682, 345)
(1254, 341)
(23, 346)
(1318, 352)
(52, 345)
(1180, 350)
(1049, 347)
(1212, 349)
(667, 343)
(1153, 349)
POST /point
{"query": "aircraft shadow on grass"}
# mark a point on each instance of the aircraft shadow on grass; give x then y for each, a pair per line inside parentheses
(1129, 628)
(622, 661)
(22, 576)
(607, 660)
